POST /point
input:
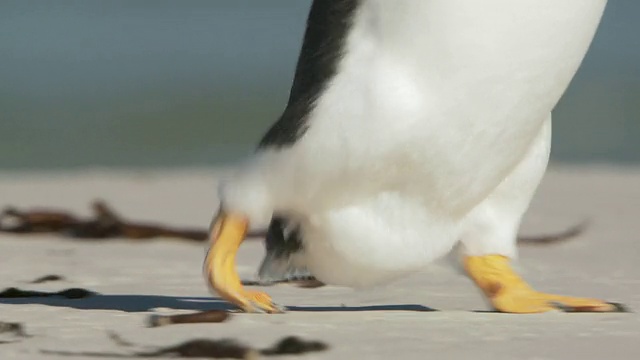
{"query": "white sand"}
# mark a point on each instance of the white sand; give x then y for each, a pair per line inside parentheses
(136, 279)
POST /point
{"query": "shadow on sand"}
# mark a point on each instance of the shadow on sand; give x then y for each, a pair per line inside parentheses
(143, 303)
(126, 303)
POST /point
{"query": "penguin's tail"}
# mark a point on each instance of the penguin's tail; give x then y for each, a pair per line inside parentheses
(284, 258)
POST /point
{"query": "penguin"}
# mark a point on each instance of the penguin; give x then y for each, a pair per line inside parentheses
(412, 127)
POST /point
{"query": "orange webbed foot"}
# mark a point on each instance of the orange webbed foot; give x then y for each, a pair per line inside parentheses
(508, 293)
(227, 234)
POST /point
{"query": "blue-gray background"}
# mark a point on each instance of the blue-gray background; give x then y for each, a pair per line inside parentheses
(194, 82)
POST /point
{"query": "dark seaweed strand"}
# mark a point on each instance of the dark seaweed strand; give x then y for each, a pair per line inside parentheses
(327, 26)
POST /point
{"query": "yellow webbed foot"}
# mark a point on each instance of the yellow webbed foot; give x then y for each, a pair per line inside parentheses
(220, 271)
(508, 293)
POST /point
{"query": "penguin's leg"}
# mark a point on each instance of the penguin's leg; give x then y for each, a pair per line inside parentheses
(228, 231)
(490, 236)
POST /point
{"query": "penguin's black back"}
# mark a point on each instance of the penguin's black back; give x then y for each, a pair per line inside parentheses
(328, 24)
(327, 27)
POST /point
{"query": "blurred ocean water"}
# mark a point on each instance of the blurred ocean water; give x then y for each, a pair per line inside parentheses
(195, 83)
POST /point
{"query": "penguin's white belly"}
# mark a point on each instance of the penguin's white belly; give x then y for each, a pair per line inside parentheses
(435, 101)
(375, 241)
(438, 98)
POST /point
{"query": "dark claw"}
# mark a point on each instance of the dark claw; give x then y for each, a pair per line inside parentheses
(617, 308)
(257, 308)
(280, 308)
(620, 308)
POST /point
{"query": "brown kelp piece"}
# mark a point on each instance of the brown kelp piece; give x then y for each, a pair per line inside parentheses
(551, 239)
(47, 278)
(293, 345)
(132, 230)
(205, 348)
(197, 348)
(212, 316)
(72, 293)
(105, 223)
(209, 348)
(13, 220)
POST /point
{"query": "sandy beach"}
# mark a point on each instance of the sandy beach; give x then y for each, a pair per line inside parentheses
(434, 314)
